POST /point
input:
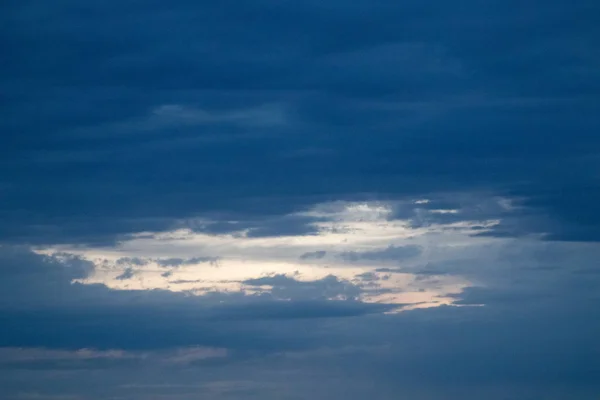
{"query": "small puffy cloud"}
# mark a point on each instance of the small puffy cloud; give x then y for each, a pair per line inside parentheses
(372, 276)
(137, 261)
(128, 273)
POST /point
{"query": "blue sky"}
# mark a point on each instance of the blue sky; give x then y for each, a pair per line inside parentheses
(291, 200)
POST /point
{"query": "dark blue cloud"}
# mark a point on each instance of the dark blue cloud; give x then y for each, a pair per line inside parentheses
(128, 273)
(40, 306)
(330, 287)
(313, 255)
(126, 117)
(537, 328)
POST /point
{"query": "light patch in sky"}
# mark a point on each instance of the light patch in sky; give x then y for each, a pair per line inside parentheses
(387, 255)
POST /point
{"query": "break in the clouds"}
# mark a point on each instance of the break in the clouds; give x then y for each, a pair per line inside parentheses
(267, 200)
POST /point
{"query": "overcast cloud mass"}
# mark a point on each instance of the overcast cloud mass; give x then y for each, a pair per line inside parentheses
(275, 199)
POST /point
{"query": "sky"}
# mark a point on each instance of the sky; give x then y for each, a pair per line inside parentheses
(271, 199)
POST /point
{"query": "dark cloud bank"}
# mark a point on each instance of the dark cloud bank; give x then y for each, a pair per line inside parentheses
(121, 117)
(537, 334)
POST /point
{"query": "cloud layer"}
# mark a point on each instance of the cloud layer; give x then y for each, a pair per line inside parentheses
(258, 199)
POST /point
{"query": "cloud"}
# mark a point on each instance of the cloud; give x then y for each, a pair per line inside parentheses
(176, 117)
(283, 225)
(259, 116)
(187, 118)
(90, 359)
(336, 89)
(177, 262)
(21, 263)
(284, 287)
(313, 255)
(137, 261)
(182, 281)
(302, 310)
(373, 276)
(127, 274)
(77, 315)
(306, 334)
(391, 253)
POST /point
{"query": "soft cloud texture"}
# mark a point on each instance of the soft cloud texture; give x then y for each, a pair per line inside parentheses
(291, 200)
(395, 253)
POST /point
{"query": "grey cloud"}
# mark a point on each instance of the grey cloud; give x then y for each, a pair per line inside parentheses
(302, 309)
(37, 280)
(402, 355)
(313, 255)
(505, 343)
(391, 253)
(285, 287)
(128, 273)
(137, 261)
(172, 116)
(451, 208)
(176, 262)
(79, 315)
(405, 112)
(285, 226)
(21, 263)
(269, 226)
(425, 98)
(373, 276)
